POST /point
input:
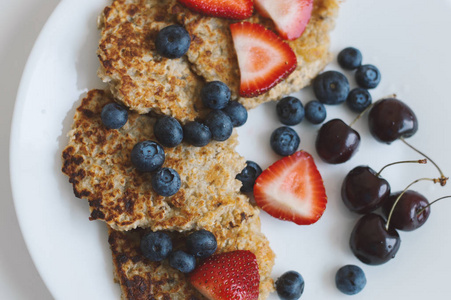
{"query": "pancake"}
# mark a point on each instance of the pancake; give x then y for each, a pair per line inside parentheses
(138, 77)
(141, 279)
(213, 56)
(97, 161)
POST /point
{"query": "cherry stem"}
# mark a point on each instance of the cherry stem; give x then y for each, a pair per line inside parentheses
(420, 161)
(422, 210)
(361, 114)
(442, 178)
(434, 180)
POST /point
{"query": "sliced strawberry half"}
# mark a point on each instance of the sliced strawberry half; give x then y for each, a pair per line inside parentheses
(228, 276)
(290, 16)
(230, 9)
(292, 189)
(263, 57)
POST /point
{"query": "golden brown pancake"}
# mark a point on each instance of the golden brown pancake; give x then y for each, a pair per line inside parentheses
(213, 56)
(97, 161)
(141, 279)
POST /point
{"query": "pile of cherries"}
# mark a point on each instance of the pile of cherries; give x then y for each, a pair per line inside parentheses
(374, 239)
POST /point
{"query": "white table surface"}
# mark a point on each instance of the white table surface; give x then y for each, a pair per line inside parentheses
(20, 23)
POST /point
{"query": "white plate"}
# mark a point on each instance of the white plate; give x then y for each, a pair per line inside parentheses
(408, 40)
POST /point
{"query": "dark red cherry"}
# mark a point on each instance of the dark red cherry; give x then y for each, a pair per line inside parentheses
(363, 190)
(336, 142)
(405, 215)
(389, 119)
(371, 242)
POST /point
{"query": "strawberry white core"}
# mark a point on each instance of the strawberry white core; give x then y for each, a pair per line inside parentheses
(256, 59)
(298, 200)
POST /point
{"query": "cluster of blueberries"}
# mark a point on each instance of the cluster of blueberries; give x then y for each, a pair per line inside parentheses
(330, 88)
(157, 246)
(219, 122)
(148, 156)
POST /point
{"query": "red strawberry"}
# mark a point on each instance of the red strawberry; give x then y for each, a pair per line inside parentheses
(290, 16)
(230, 9)
(228, 276)
(292, 189)
(264, 58)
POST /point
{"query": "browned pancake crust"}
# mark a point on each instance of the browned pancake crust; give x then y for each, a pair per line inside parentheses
(213, 56)
(141, 279)
(137, 75)
(97, 161)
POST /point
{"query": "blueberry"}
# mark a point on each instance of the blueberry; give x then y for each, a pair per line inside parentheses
(156, 246)
(196, 134)
(331, 87)
(166, 182)
(182, 261)
(358, 99)
(290, 285)
(350, 279)
(350, 58)
(147, 156)
(201, 243)
(114, 116)
(236, 112)
(290, 111)
(248, 176)
(284, 141)
(368, 76)
(215, 95)
(172, 41)
(168, 132)
(220, 125)
(315, 112)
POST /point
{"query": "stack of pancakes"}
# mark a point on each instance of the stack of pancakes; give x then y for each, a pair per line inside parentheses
(97, 159)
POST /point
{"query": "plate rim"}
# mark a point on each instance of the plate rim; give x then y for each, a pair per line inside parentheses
(18, 109)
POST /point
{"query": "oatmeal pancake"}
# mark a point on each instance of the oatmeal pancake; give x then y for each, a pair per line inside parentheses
(238, 229)
(213, 56)
(97, 161)
(136, 74)
(144, 81)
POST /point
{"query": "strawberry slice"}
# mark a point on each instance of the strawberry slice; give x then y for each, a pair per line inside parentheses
(228, 276)
(290, 16)
(230, 9)
(292, 189)
(264, 58)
